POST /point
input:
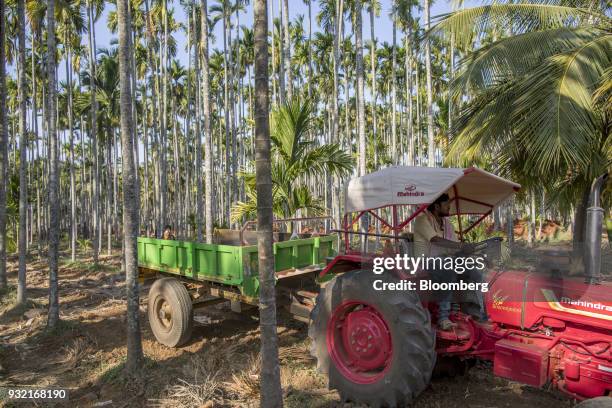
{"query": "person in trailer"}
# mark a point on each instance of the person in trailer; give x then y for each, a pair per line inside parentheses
(167, 234)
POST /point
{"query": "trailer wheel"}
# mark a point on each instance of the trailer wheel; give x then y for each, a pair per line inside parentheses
(599, 402)
(376, 348)
(170, 312)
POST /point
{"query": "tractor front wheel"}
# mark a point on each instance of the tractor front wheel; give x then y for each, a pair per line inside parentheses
(170, 312)
(376, 348)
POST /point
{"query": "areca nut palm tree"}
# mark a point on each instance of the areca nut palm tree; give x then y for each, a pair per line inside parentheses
(271, 393)
(294, 160)
(3, 149)
(53, 185)
(208, 151)
(131, 203)
(23, 181)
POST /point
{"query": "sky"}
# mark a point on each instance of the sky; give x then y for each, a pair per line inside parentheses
(383, 26)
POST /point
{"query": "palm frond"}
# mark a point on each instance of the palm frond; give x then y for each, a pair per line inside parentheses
(516, 56)
(466, 25)
(602, 97)
(318, 161)
(289, 123)
(554, 113)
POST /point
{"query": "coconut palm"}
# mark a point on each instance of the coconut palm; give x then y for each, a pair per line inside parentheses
(294, 161)
(532, 104)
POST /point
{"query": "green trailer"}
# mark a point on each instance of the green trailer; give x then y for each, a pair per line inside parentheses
(190, 275)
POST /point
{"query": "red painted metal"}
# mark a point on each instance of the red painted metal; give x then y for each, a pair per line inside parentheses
(357, 218)
(385, 223)
(395, 229)
(478, 221)
(346, 262)
(458, 212)
(522, 362)
(359, 342)
(419, 210)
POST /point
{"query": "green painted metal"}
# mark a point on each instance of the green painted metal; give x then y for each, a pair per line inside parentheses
(228, 264)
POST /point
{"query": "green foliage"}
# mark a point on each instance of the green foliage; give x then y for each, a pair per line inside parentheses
(84, 244)
(294, 160)
(538, 97)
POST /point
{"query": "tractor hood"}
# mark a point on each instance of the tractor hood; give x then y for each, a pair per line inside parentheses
(476, 190)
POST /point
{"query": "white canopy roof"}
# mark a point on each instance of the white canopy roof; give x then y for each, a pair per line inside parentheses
(477, 189)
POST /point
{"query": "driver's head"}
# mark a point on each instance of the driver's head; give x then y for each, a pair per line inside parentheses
(440, 207)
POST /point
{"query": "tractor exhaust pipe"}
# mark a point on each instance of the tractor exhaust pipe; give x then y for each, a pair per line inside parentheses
(594, 221)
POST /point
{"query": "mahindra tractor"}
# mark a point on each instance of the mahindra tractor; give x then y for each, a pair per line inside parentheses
(379, 347)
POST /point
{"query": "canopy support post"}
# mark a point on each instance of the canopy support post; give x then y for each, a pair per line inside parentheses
(458, 212)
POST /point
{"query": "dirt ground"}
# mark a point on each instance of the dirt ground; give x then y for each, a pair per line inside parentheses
(218, 368)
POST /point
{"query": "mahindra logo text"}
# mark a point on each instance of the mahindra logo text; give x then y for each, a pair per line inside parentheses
(410, 191)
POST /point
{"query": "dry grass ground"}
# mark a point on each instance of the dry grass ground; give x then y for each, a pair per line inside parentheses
(218, 368)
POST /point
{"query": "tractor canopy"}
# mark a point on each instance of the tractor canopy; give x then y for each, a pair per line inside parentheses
(471, 190)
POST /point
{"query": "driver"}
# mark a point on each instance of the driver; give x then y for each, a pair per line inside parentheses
(434, 236)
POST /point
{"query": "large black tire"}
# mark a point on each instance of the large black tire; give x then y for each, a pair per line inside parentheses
(599, 402)
(411, 362)
(170, 312)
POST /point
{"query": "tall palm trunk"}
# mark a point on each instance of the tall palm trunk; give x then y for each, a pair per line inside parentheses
(408, 69)
(163, 199)
(198, 135)
(360, 89)
(23, 178)
(54, 214)
(226, 112)
(208, 181)
(332, 199)
(271, 392)
(94, 135)
(451, 64)
(430, 132)
(3, 149)
(373, 85)
(418, 148)
(310, 50)
(394, 91)
(287, 48)
(281, 54)
(130, 193)
(73, 220)
(233, 186)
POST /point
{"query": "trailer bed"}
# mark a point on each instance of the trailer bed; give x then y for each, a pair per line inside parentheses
(233, 265)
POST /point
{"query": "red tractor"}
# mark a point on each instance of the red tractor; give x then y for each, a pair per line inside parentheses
(380, 347)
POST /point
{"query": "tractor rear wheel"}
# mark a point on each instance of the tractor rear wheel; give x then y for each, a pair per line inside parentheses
(170, 312)
(375, 347)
